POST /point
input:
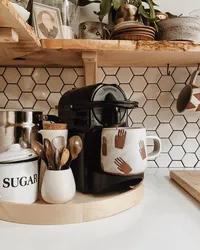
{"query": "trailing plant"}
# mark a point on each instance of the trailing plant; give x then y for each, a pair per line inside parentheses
(148, 15)
(86, 2)
(106, 6)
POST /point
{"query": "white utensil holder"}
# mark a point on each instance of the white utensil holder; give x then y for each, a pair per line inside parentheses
(58, 186)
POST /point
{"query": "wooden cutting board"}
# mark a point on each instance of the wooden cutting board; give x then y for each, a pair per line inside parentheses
(188, 180)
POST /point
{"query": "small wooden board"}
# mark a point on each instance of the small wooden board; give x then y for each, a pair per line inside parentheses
(82, 208)
(189, 180)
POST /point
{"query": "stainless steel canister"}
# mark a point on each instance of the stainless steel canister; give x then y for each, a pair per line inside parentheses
(19, 126)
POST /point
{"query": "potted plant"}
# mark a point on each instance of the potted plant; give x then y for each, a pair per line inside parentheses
(126, 10)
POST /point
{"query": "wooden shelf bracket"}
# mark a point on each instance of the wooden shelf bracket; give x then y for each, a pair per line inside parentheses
(90, 65)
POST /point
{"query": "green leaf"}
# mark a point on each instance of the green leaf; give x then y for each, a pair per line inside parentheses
(118, 3)
(170, 15)
(143, 12)
(156, 26)
(105, 7)
(137, 3)
(152, 11)
(156, 11)
(86, 2)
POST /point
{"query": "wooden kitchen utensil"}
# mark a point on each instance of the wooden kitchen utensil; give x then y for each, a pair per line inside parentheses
(64, 157)
(39, 150)
(57, 159)
(75, 146)
(49, 154)
(188, 180)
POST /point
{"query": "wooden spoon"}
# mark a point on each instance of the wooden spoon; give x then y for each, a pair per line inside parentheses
(75, 146)
(64, 157)
(49, 154)
(39, 150)
(57, 159)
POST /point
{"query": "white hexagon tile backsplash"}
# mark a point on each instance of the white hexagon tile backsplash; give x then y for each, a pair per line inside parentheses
(153, 88)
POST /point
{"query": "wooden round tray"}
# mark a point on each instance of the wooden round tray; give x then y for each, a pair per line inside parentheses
(81, 209)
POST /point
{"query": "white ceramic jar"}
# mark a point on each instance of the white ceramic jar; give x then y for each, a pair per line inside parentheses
(58, 186)
(51, 134)
(18, 175)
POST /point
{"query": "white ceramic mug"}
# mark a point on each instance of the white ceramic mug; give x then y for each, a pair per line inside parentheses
(124, 150)
(58, 186)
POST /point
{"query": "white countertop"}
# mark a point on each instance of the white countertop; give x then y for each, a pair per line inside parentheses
(167, 219)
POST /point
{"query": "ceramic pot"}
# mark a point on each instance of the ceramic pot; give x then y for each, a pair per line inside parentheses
(124, 150)
(51, 134)
(126, 12)
(180, 29)
(58, 186)
(93, 30)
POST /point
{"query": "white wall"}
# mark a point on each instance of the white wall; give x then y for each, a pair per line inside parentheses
(178, 6)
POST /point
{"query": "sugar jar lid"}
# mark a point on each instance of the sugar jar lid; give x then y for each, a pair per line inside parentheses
(17, 154)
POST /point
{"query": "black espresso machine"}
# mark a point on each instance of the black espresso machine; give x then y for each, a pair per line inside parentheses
(87, 111)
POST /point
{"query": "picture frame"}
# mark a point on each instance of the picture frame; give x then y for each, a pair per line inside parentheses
(47, 21)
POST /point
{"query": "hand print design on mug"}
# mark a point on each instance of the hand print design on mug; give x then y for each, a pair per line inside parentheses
(104, 146)
(120, 139)
(123, 166)
(124, 150)
(142, 150)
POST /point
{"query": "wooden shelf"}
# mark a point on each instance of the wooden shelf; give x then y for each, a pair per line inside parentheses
(68, 53)
(94, 53)
(81, 209)
(29, 51)
(125, 53)
(28, 42)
